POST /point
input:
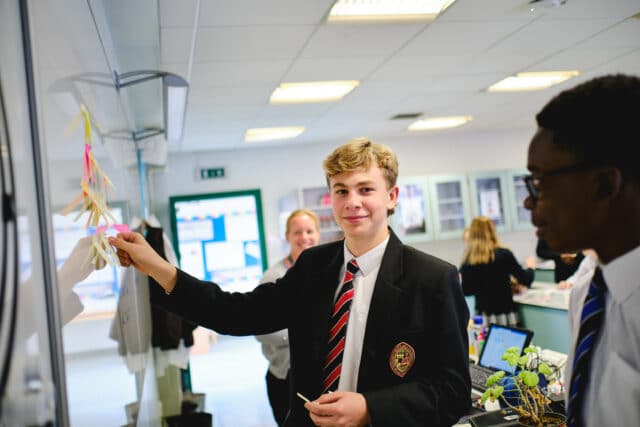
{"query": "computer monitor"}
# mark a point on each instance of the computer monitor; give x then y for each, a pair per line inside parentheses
(500, 338)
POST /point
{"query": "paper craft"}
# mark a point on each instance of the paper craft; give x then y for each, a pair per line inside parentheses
(96, 186)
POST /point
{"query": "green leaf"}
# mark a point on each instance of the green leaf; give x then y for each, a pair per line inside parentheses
(494, 378)
(522, 361)
(544, 369)
(497, 391)
(531, 349)
(530, 379)
(485, 395)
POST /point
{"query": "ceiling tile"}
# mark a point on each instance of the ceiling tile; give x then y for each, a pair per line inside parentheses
(250, 43)
(344, 40)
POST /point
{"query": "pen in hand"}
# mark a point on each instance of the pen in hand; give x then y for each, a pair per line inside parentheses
(301, 396)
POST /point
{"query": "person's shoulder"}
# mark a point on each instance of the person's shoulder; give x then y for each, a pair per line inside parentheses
(503, 252)
(322, 251)
(274, 272)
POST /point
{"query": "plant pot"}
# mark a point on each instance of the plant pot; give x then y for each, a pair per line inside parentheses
(550, 419)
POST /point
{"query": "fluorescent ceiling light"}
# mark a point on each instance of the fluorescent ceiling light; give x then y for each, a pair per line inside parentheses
(532, 81)
(175, 106)
(387, 9)
(439, 123)
(293, 93)
(271, 134)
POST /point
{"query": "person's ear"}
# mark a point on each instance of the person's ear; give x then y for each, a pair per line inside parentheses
(609, 182)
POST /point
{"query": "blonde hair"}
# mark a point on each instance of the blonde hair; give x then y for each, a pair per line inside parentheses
(482, 241)
(362, 153)
(299, 212)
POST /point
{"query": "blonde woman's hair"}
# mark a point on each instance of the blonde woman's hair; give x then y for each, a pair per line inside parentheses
(482, 241)
(362, 153)
(299, 212)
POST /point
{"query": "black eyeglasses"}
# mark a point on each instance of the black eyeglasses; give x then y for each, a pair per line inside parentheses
(533, 180)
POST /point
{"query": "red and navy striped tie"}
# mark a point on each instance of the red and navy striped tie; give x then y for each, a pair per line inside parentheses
(591, 321)
(338, 329)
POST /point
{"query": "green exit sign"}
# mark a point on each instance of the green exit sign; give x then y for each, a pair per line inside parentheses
(210, 173)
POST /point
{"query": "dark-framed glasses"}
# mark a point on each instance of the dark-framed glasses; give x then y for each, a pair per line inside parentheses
(532, 181)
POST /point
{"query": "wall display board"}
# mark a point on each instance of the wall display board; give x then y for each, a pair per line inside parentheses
(219, 237)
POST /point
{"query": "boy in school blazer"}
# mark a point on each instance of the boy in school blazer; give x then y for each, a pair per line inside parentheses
(405, 357)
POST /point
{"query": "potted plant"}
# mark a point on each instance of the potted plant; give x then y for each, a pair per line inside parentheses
(523, 392)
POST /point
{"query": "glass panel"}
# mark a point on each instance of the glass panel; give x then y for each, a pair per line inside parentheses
(450, 206)
(106, 313)
(28, 392)
(411, 215)
(521, 193)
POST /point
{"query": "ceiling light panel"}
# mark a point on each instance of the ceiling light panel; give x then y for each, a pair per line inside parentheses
(439, 123)
(272, 134)
(387, 9)
(532, 81)
(327, 91)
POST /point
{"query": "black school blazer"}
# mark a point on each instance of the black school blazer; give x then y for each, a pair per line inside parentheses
(417, 300)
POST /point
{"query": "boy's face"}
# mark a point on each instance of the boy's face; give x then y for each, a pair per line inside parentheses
(566, 210)
(360, 201)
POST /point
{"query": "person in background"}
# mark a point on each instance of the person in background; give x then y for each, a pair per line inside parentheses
(566, 263)
(486, 273)
(377, 329)
(585, 270)
(302, 232)
(584, 192)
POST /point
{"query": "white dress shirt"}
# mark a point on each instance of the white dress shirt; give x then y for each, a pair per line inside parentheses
(363, 284)
(613, 394)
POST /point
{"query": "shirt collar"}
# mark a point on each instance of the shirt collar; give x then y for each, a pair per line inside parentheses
(368, 261)
(621, 275)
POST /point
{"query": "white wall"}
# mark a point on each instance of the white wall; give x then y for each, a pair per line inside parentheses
(278, 171)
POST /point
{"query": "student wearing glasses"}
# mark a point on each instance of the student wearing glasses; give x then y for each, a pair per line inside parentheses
(584, 192)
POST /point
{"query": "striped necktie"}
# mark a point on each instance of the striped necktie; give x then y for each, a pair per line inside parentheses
(591, 321)
(338, 329)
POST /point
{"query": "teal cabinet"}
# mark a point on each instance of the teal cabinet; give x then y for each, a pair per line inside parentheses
(517, 193)
(450, 205)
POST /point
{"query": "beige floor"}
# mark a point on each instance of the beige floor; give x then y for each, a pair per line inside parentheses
(231, 374)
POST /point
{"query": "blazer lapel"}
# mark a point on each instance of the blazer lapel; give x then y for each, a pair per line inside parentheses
(383, 304)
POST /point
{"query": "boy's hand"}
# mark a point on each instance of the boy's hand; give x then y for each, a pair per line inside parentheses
(339, 409)
(134, 250)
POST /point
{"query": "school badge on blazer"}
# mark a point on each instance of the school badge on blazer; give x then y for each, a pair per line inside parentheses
(402, 358)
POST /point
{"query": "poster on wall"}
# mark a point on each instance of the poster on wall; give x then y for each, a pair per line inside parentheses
(219, 237)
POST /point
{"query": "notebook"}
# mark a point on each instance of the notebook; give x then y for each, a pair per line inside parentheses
(499, 338)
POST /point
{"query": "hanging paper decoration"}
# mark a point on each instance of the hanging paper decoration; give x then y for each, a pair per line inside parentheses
(96, 187)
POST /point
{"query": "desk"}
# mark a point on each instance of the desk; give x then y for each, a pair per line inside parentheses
(544, 310)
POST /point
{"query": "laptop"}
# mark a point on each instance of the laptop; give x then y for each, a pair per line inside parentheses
(499, 338)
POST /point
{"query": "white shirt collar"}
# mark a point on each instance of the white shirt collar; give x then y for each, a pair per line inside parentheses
(368, 261)
(621, 275)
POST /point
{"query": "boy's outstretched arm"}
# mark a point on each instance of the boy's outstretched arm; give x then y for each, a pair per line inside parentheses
(134, 250)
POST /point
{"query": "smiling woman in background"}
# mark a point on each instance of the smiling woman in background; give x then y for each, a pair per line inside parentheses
(302, 232)
(486, 272)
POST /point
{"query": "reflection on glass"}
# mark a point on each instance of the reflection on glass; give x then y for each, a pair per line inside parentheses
(524, 216)
(411, 212)
(490, 199)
